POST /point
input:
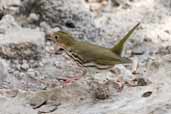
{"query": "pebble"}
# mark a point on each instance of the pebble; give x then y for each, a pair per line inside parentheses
(138, 51)
(147, 94)
(33, 17)
(25, 66)
(18, 67)
(54, 30)
(48, 108)
(45, 27)
(102, 92)
(10, 70)
(31, 73)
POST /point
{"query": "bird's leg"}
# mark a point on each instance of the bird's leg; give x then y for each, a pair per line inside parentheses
(120, 81)
(71, 80)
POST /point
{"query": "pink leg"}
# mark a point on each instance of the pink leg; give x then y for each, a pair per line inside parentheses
(71, 80)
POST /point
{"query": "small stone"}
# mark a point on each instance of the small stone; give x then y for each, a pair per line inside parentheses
(167, 31)
(37, 74)
(31, 73)
(147, 94)
(16, 73)
(19, 75)
(69, 24)
(115, 3)
(141, 82)
(33, 17)
(45, 27)
(54, 30)
(48, 108)
(138, 82)
(102, 91)
(11, 70)
(22, 74)
(18, 67)
(138, 51)
(25, 66)
(35, 65)
(147, 40)
(41, 64)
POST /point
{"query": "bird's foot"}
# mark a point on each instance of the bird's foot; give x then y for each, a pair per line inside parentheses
(70, 81)
(120, 82)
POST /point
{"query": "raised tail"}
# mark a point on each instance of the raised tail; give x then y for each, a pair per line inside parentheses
(117, 49)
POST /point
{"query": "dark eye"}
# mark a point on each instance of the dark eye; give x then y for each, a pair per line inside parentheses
(56, 37)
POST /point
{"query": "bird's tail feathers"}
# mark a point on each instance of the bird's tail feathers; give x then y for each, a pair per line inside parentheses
(117, 49)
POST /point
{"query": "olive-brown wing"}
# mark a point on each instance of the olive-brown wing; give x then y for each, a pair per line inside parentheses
(93, 53)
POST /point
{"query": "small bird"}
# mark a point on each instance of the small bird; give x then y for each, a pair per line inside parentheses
(91, 55)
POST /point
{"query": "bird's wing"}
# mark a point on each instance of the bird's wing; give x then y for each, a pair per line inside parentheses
(93, 53)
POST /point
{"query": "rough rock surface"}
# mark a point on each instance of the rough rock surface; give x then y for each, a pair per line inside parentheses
(68, 15)
(33, 74)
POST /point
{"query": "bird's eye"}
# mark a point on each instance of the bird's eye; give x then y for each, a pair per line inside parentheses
(56, 37)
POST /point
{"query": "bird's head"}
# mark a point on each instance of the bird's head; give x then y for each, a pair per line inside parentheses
(62, 38)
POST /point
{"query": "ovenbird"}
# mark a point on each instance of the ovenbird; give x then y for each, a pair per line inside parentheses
(91, 55)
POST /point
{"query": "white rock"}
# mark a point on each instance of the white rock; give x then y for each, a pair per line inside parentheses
(8, 3)
(14, 33)
(31, 73)
(56, 29)
(25, 66)
(46, 27)
(33, 17)
(8, 23)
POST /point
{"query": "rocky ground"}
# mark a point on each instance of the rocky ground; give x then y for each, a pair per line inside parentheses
(33, 75)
